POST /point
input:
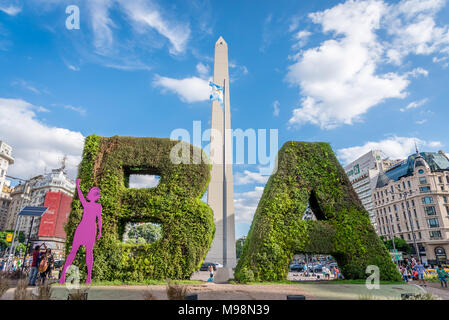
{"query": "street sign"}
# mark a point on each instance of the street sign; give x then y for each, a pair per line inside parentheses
(397, 256)
(9, 237)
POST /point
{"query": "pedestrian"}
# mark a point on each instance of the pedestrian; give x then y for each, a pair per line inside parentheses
(50, 264)
(442, 275)
(34, 266)
(419, 269)
(211, 273)
(405, 273)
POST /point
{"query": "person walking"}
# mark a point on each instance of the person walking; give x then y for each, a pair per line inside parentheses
(405, 273)
(419, 268)
(210, 268)
(34, 267)
(50, 264)
(442, 275)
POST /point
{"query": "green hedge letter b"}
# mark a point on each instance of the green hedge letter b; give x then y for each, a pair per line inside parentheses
(310, 173)
(187, 222)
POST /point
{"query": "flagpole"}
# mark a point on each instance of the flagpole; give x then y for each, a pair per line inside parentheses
(225, 240)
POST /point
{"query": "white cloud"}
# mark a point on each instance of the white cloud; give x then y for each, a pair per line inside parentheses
(421, 121)
(101, 25)
(414, 105)
(276, 109)
(245, 204)
(250, 177)
(10, 10)
(340, 80)
(301, 37)
(189, 90)
(138, 181)
(393, 147)
(24, 84)
(73, 68)
(412, 26)
(141, 13)
(36, 146)
(202, 70)
(80, 110)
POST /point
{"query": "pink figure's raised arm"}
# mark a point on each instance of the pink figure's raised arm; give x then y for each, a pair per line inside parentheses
(80, 193)
(99, 224)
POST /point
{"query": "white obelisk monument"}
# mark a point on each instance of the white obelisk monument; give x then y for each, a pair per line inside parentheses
(220, 196)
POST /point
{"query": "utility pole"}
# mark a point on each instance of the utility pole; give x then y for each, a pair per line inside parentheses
(405, 194)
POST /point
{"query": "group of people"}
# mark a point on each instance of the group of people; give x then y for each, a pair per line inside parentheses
(415, 270)
(42, 264)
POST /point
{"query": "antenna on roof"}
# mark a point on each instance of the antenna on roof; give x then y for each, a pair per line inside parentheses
(416, 148)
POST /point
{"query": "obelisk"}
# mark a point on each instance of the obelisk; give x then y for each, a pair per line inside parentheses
(220, 196)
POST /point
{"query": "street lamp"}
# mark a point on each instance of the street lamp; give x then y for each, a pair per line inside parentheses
(405, 194)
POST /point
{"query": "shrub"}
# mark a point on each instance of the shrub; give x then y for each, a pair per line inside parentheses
(175, 204)
(176, 291)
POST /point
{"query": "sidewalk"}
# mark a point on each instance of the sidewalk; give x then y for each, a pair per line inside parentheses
(211, 291)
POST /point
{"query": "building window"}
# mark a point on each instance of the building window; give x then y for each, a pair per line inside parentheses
(427, 200)
(421, 171)
(409, 185)
(422, 180)
(417, 225)
(433, 223)
(402, 236)
(397, 216)
(447, 179)
(413, 203)
(414, 211)
(430, 211)
(402, 205)
(435, 234)
(419, 235)
(389, 209)
(399, 227)
(392, 228)
(403, 184)
(392, 189)
(406, 226)
(408, 236)
(440, 180)
(447, 209)
(424, 189)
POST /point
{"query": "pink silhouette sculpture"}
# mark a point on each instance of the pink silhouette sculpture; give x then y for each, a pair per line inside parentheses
(86, 232)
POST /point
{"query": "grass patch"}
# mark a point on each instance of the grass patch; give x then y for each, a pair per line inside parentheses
(148, 282)
(337, 281)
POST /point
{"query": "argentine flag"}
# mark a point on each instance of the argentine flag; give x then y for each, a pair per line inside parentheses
(217, 92)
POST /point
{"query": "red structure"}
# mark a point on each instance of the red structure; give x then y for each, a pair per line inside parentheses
(53, 221)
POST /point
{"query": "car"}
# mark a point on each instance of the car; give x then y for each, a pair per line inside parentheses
(315, 267)
(205, 266)
(297, 267)
(58, 263)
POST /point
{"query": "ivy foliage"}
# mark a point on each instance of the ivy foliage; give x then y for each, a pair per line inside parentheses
(310, 172)
(175, 204)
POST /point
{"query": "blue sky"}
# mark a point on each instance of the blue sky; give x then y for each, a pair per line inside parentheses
(360, 75)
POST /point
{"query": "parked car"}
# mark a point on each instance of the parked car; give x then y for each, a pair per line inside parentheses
(297, 267)
(59, 264)
(315, 267)
(205, 266)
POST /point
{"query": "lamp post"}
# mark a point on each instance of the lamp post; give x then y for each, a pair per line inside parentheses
(405, 194)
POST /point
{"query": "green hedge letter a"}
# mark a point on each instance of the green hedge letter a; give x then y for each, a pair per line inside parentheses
(310, 173)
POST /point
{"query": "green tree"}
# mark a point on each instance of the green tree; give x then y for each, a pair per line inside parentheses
(149, 232)
(400, 244)
(239, 246)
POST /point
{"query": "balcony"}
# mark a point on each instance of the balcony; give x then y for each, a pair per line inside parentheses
(7, 156)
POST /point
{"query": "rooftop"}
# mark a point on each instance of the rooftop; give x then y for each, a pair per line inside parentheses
(437, 161)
